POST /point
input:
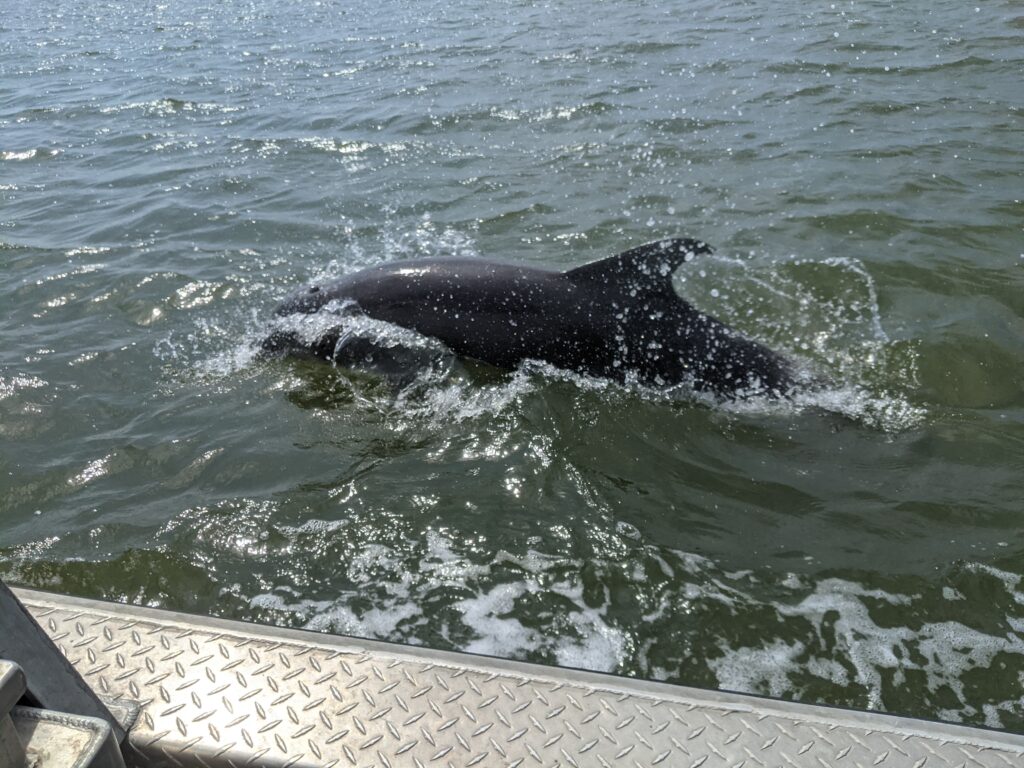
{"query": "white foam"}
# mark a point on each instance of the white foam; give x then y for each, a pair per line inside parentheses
(839, 640)
(1010, 580)
(443, 566)
(498, 635)
(757, 670)
(26, 154)
(841, 618)
(586, 641)
(369, 566)
(536, 563)
(595, 644)
(601, 649)
(889, 412)
(381, 622)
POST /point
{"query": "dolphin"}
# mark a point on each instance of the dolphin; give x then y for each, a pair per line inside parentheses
(618, 318)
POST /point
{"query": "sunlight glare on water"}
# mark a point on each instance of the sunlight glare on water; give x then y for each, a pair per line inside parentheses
(169, 173)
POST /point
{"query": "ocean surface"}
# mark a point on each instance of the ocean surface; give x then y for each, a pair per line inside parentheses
(168, 172)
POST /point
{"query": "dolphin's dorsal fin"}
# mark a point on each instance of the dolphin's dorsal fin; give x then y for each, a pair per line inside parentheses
(647, 267)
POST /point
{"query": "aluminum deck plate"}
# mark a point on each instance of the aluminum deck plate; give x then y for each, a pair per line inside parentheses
(224, 693)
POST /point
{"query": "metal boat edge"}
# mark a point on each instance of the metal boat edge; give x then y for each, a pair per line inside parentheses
(218, 692)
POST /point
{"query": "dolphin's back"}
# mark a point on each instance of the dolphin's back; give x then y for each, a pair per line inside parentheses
(492, 311)
(619, 317)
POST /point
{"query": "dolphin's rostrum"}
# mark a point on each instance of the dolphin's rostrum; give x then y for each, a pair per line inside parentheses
(619, 318)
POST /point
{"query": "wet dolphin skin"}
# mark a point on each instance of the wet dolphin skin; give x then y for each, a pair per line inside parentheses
(618, 318)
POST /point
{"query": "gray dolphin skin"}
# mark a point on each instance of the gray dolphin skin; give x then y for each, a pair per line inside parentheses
(618, 318)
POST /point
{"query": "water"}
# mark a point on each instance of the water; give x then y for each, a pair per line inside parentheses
(169, 172)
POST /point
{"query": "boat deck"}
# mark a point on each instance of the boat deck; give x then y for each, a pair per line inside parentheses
(214, 692)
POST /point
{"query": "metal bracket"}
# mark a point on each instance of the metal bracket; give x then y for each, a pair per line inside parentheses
(52, 682)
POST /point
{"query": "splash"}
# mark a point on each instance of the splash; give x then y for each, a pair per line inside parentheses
(823, 314)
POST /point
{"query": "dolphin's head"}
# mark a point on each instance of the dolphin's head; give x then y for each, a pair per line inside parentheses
(306, 301)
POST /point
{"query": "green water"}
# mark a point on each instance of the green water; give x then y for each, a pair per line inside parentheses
(169, 172)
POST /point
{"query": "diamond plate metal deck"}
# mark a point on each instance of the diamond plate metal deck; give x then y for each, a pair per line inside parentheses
(223, 693)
